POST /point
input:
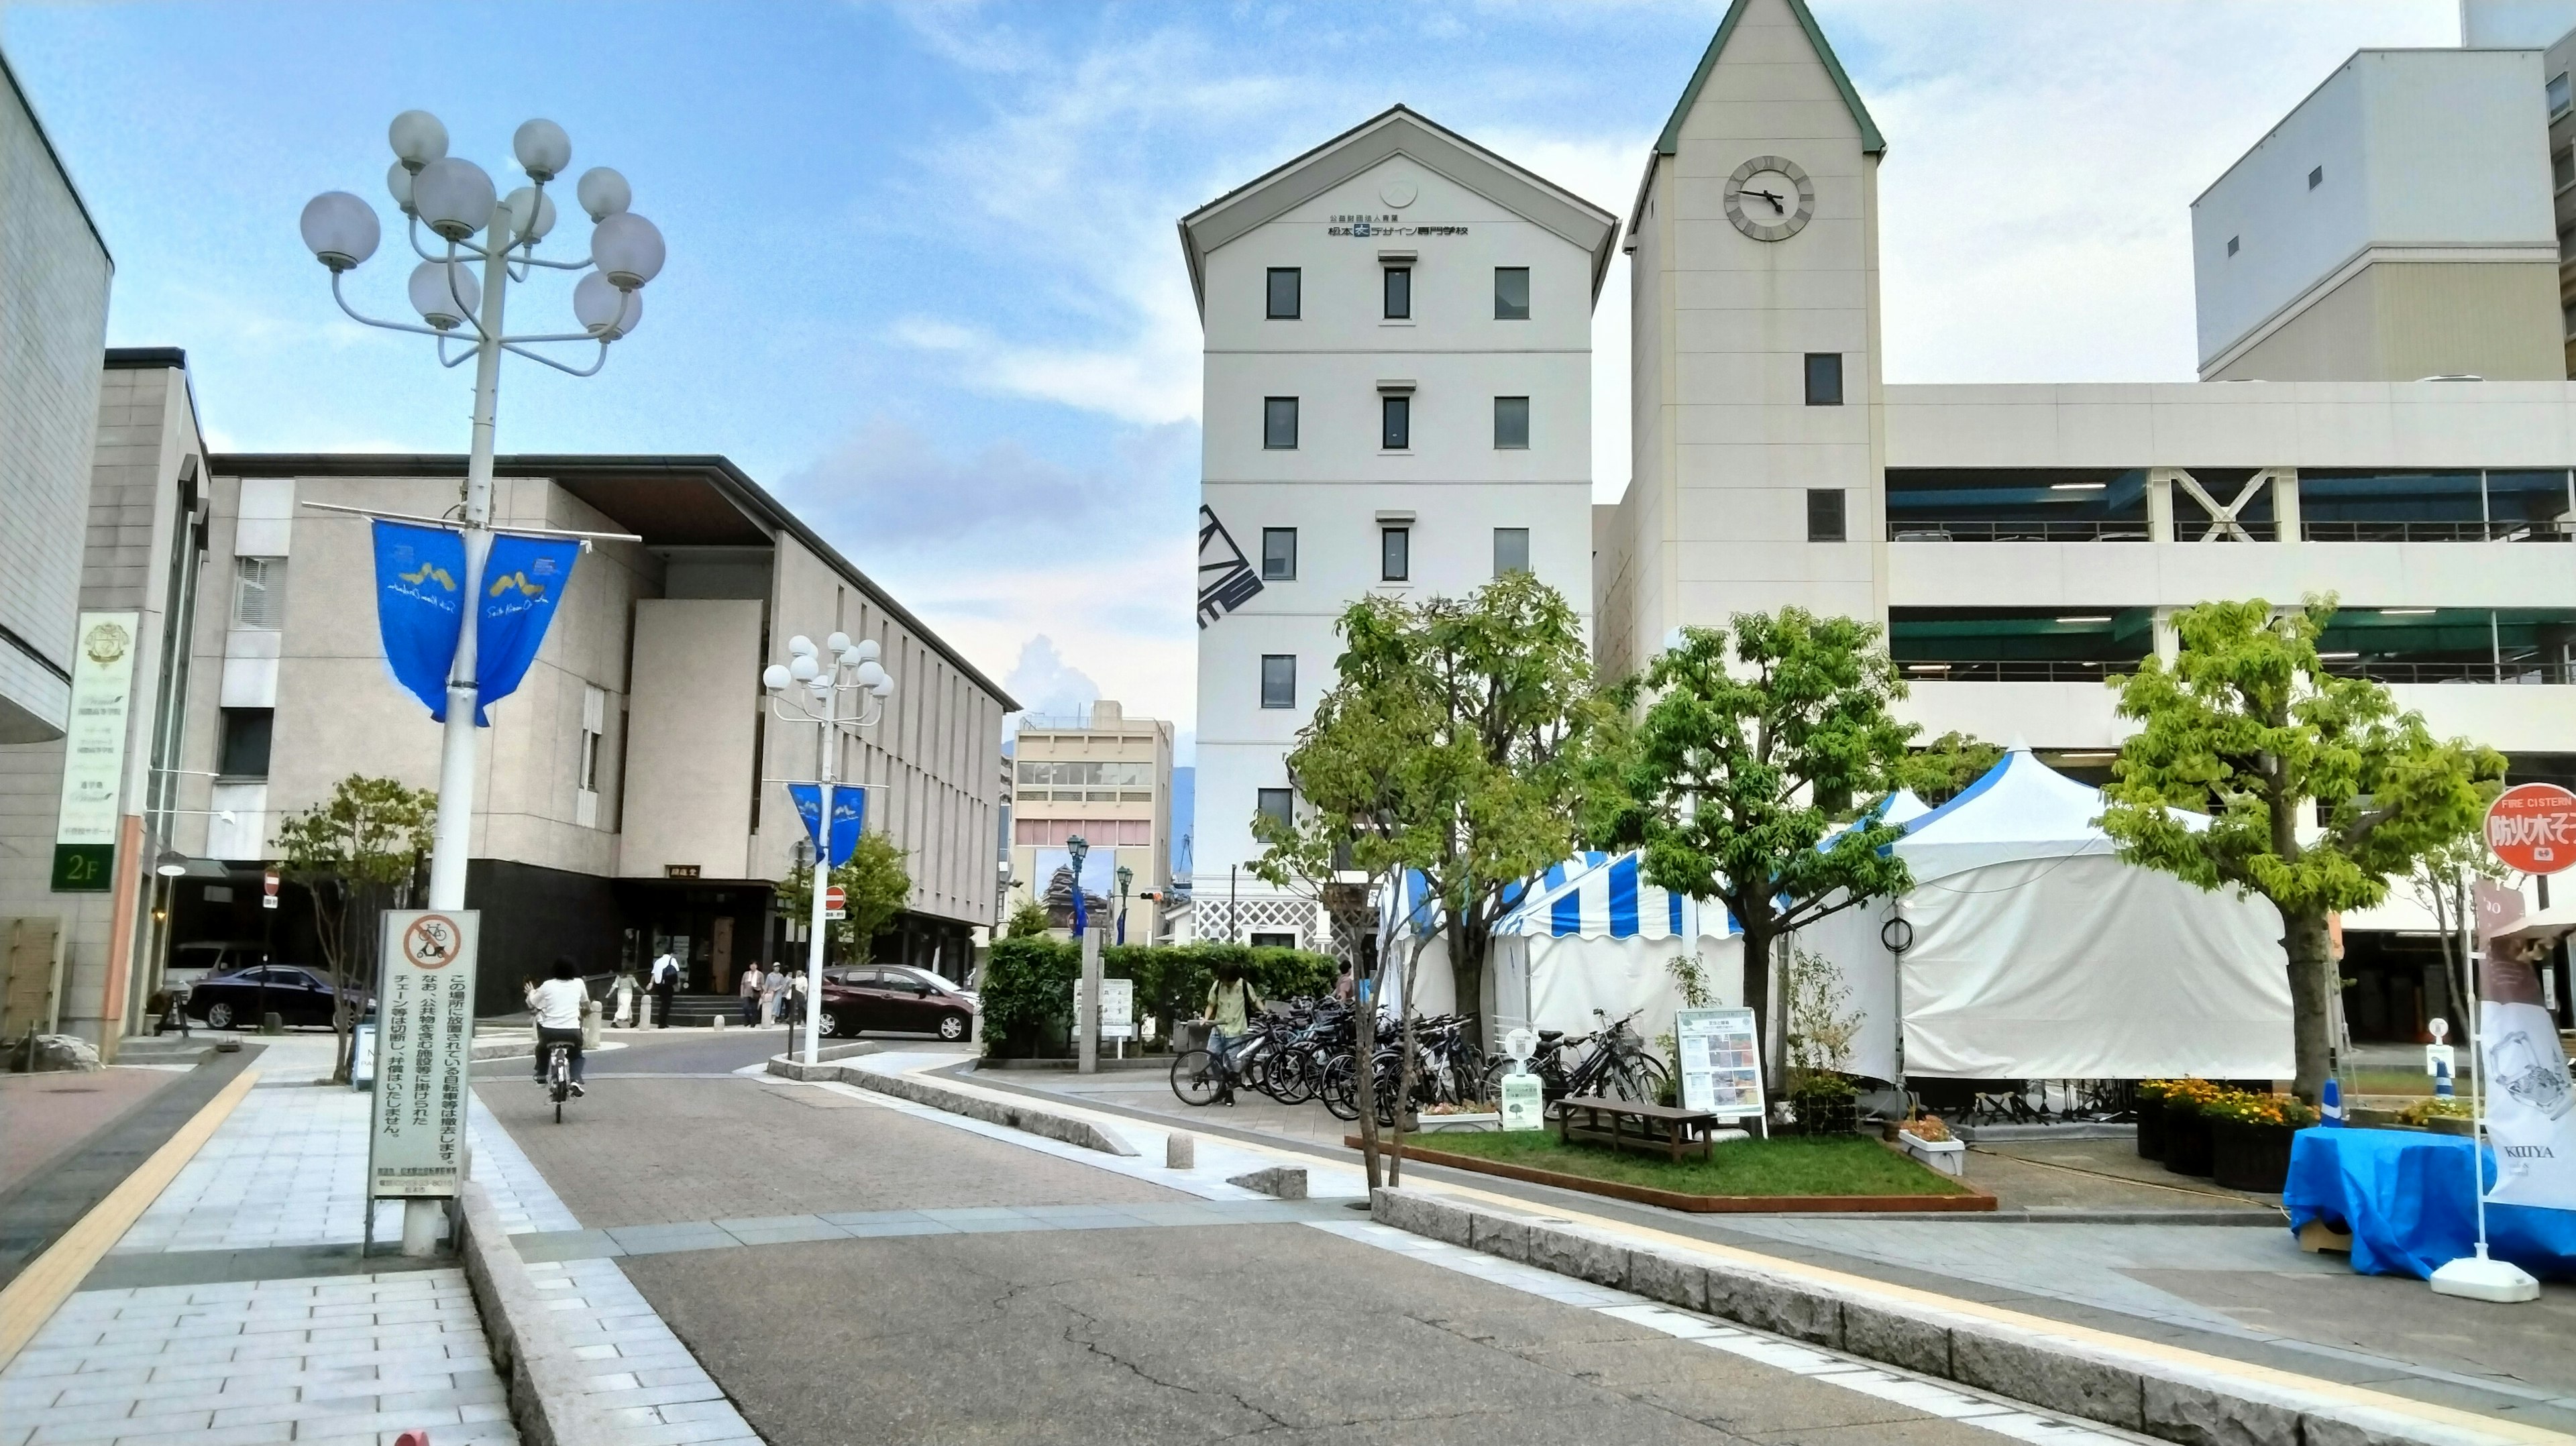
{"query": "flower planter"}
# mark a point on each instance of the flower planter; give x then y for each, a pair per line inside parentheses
(1950, 1157)
(2186, 1140)
(2151, 1129)
(2246, 1156)
(1826, 1114)
(1436, 1124)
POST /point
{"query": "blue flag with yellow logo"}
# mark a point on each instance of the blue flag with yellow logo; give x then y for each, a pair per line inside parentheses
(420, 606)
(522, 579)
(849, 815)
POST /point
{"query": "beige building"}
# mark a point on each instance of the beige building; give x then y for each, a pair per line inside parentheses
(1107, 778)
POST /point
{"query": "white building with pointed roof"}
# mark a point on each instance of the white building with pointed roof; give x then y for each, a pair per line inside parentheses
(1398, 399)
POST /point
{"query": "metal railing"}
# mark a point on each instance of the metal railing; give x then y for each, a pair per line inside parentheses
(2191, 530)
(2021, 670)
(2515, 530)
(2017, 670)
(2523, 672)
(2105, 530)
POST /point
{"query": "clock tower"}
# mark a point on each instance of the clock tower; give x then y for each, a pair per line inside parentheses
(1758, 461)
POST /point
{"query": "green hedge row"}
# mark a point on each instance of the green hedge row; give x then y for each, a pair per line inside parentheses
(1028, 985)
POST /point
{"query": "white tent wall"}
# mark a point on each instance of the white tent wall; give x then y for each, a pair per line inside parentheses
(1851, 942)
(2089, 968)
(1548, 982)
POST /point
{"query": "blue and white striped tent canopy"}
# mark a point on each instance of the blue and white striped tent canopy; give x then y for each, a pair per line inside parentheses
(1605, 896)
(1422, 913)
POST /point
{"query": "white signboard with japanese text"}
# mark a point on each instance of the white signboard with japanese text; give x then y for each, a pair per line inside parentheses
(1721, 1061)
(1117, 1009)
(94, 753)
(425, 1043)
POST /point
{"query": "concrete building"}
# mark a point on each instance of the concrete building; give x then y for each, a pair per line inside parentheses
(54, 275)
(1398, 399)
(1105, 777)
(2022, 543)
(82, 910)
(631, 797)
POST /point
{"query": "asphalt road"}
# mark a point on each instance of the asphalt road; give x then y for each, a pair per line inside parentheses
(1285, 1332)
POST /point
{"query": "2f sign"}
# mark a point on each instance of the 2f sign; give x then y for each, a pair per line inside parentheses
(2532, 827)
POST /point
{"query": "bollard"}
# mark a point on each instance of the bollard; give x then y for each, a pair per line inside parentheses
(1180, 1151)
(718, 1022)
(413, 1438)
(272, 1023)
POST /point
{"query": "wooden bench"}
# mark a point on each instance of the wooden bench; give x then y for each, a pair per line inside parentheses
(1657, 1129)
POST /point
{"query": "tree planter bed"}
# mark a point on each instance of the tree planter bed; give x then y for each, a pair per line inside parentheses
(1970, 1201)
(2253, 1157)
(2186, 1140)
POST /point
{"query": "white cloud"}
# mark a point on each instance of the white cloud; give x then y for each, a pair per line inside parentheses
(1045, 684)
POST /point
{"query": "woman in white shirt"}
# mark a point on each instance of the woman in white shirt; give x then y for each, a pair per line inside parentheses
(557, 1004)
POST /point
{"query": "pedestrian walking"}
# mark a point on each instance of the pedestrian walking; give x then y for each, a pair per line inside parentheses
(750, 992)
(666, 983)
(795, 999)
(771, 987)
(1342, 984)
(627, 988)
(1230, 1003)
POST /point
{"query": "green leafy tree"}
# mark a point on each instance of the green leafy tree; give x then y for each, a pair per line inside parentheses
(356, 853)
(1727, 778)
(1026, 920)
(2245, 740)
(874, 885)
(1940, 770)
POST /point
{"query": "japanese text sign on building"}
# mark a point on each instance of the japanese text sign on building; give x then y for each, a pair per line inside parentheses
(423, 1047)
(2532, 827)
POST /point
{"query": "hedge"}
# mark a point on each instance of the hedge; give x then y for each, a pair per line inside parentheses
(1027, 985)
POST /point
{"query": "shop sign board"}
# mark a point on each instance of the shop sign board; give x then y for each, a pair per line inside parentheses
(94, 753)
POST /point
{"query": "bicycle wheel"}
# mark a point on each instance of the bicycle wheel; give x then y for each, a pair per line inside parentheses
(1196, 1077)
(1340, 1089)
(1292, 1076)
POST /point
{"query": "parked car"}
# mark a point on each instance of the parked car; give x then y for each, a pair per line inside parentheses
(890, 997)
(235, 999)
(192, 962)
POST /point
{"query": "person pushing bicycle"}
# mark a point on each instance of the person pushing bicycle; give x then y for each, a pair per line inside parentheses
(1230, 1003)
(557, 1004)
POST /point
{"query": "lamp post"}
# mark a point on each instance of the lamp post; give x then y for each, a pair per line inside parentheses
(454, 198)
(821, 678)
(1086, 1022)
(1126, 876)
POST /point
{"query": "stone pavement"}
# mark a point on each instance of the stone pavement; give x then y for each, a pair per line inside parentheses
(44, 1115)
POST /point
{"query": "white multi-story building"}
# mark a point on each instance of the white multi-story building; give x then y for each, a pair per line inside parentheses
(1398, 399)
(2024, 543)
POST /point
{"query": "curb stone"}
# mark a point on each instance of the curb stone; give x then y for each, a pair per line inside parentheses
(2149, 1390)
(543, 1379)
(1006, 1113)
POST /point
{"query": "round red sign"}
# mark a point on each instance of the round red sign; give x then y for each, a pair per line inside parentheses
(833, 898)
(2532, 827)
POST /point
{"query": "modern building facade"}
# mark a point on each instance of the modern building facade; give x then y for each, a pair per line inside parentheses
(1106, 778)
(2024, 543)
(1397, 400)
(54, 276)
(84, 818)
(632, 795)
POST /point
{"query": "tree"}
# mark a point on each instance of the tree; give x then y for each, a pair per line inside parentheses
(874, 887)
(2255, 769)
(1943, 768)
(1026, 920)
(356, 853)
(1728, 778)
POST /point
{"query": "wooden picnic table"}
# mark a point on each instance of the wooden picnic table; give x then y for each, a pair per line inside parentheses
(1659, 1129)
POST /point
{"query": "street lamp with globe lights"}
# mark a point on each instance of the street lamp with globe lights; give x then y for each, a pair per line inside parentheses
(808, 688)
(455, 200)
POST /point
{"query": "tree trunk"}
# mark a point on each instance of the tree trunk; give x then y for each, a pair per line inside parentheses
(2312, 989)
(1757, 996)
(1468, 945)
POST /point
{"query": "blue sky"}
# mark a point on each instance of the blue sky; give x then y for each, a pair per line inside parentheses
(923, 278)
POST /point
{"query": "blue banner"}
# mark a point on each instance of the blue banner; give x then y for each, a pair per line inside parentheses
(849, 816)
(522, 579)
(420, 574)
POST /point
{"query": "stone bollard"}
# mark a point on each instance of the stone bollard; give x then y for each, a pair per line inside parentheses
(718, 1022)
(590, 1024)
(1180, 1151)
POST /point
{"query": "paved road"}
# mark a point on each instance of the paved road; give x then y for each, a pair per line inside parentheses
(1298, 1333)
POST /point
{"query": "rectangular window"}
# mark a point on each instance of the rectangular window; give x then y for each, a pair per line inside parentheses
(2316, 177)
(1278, 805)
(1511, 550)
(259, 593)
(1511, 293)
(1399, 293)
(1824, 379)
(1285, 287)
(1279, 423)
(245, 742)
(1279, 680)
(1511, 422)
(1273, 941)
(1395, 422)
(2231, 245)
(1279, 554)
(2558, 93)
(2562, 169)
(1825, 514)
(1394, 554)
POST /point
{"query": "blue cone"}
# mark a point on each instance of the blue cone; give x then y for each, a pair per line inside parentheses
(2330, 1104)
(2442, 1081)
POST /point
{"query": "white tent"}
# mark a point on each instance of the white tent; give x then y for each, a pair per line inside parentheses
(2037, 954)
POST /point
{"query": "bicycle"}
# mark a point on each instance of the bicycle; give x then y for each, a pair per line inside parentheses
(558, 1075)
(1618, 1065)
(1200, 1076)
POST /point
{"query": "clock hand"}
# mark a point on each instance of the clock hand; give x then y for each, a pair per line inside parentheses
(1771, 196)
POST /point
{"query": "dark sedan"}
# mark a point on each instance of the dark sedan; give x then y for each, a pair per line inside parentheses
(236, 998)
(895, 1000)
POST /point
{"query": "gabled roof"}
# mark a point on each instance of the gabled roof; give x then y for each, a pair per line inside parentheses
(1670, 142)
(1397, 131)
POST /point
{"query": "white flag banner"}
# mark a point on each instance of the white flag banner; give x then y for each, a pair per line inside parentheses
(2530, 1107)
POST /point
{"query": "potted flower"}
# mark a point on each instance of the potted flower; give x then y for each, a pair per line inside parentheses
(1929, 1141)
(2149, 1107)
(1465, 1115)
(2186, 1127)
(2249, 1138)
(1826, 1104)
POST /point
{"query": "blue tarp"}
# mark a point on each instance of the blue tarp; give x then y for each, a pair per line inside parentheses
(2404, 1196)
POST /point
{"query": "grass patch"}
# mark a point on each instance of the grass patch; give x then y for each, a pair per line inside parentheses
(1831, 1165)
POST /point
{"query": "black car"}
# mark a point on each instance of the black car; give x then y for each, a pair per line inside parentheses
(893, 999)
(236, 998)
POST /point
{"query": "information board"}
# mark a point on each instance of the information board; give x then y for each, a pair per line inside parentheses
(1117, 1009)
(424, 1049)
(1524, 1103)
(1721, 1061)
(94, 754)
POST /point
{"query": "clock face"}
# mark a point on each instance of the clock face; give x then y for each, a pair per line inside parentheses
(1769, 198)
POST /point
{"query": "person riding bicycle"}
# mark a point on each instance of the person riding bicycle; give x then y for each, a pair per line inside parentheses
(1230, 1003)
(557, 1004)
